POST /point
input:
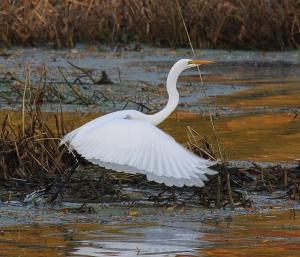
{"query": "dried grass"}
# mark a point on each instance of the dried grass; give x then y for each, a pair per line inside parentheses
(30, 148)
(34, 153)
(252, 24)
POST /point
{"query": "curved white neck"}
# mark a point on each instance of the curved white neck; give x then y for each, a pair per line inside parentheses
(173, 94)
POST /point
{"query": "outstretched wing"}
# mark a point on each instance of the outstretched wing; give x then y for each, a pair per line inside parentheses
(136, 146)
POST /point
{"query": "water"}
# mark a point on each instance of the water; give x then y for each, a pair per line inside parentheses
(172, 234)
(254, 97)
(233, 71)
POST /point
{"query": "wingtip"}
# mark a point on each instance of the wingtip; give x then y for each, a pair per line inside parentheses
(210, 170)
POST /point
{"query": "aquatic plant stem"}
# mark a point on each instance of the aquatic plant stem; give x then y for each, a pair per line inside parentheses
(27, 76)
(63, 183)
(203, 86)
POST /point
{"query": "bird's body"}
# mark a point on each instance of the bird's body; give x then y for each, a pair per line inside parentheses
(129, 141)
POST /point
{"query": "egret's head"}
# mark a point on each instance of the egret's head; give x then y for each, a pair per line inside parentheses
(195, 63)
(184, 64)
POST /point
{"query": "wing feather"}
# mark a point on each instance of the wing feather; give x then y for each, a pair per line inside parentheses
(138, 147)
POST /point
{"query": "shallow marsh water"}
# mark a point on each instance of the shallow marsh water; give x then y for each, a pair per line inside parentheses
(254, 99)
(160, 232)
(134, 73)
(263, 137)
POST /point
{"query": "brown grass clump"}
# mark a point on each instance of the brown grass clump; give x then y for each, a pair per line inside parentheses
(30, 150)
(28, 146)
(254, 24)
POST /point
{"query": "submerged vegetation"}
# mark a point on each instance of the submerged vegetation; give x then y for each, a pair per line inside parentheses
(248, 24)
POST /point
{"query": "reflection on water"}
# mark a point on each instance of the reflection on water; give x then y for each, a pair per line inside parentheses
(158, 241)
(275, 234)
(263, 137)
(257, 137)
(98, 240)
(272, 234)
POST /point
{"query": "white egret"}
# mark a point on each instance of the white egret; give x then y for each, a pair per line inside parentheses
(129, 141)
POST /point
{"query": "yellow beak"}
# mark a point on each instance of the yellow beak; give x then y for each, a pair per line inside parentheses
(200, 62)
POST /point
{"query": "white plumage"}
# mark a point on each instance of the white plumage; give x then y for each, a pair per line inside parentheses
(129, 141)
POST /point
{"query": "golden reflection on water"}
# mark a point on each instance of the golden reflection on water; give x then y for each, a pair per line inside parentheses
(50, 240)
(275, 234)
(34, 241)
(284, 95)
(263, 137)
(124, 240)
